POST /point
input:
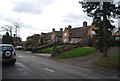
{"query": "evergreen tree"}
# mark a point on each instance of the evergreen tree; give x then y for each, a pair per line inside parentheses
(102, 12)
(7, 39)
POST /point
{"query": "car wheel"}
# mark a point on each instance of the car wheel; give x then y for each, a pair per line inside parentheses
(7, 54)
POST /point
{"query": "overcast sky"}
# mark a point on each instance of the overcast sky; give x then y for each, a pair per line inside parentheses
(36, 16)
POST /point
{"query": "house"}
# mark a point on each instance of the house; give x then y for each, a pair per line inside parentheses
(56, 36)
(34, 38)
(117, 35)
(69, 35)
(77, 34)
(46, 37)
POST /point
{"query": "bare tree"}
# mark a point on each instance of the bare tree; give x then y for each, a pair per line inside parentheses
(8, 28)
(16, 28)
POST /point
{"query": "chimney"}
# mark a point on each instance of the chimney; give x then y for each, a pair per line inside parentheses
(61, 29)
(69, 27)
(53, 30)
(84, 24)
(66, 28)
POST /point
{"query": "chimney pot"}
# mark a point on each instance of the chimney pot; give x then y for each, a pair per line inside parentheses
(61, 29)
(69, 27)
(53, 29)
(84, 24)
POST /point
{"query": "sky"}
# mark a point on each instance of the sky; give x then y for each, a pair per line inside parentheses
(36, 16)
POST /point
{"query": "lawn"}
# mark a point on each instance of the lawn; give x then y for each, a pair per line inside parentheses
(77, 52)
(108, 62)
(50, 48)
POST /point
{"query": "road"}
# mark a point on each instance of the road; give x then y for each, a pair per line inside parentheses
(35, 67)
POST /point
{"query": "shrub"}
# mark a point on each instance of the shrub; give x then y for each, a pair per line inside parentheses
(34, 50)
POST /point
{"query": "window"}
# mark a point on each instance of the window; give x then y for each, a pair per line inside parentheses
(3, 48)
(93, 32)
(117, 38)
(65, 34)
(65, 40)
(53, 36)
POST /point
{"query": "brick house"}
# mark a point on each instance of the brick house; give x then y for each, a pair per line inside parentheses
(69, 35)
(117, 35)
(74, 35)
(47, 37)
(56, 36)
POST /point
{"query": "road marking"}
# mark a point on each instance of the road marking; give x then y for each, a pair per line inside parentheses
(17, 63)
(49, 70)
(21, 56)
(19, 69)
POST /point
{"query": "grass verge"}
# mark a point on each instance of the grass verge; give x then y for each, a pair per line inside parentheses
(108, 62)
(78, 52)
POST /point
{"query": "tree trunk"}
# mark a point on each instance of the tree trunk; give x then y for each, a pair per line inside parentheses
(104, 31)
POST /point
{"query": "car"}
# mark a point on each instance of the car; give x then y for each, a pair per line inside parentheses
(7, 53)
(18, 47)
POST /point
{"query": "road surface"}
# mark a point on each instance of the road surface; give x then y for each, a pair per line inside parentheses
(33, 67)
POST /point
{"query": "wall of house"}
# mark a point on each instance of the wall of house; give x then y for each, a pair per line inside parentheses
(53, 36)
(117, 34)
(59, 38)
(65, 39)
(93, 27)
(75, 40)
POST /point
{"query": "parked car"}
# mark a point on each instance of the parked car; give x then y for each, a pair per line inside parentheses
(18, 47)
(7, 53)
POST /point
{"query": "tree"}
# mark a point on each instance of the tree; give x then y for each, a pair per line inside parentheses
(7, 39)
(29, 42)
(41, 40)
(8, 28)
(102, 12)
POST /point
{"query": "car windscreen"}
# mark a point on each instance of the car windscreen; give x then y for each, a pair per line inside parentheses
(3, 48)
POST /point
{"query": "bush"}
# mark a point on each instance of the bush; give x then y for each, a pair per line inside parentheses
(35, 50)
(91, 42)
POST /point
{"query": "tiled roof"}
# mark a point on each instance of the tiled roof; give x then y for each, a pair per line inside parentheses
(58, 33)
(79, 32)
(47, 36)
(117, 33)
